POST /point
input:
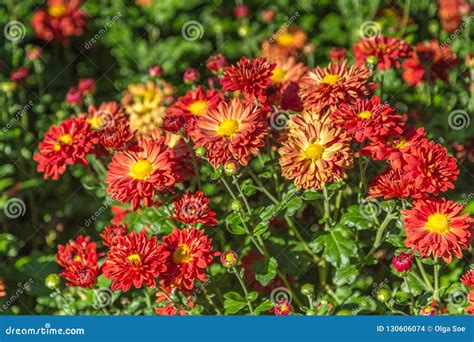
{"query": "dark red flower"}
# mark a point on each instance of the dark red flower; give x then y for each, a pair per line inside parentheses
(402, 262)
(110, 234)
(241, 11)
(73, 96)
(193, 208)
(216, 63)
(155, 70)
(250, 76)
(282, 308)
(190, 76)
(19, 75)
(86, 85)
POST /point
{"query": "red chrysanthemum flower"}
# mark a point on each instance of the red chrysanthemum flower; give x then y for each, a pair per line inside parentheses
(233, 130)
(190, 253)
(193, 208)
(110, 234)
(430, 168)
(393, 183)
(135, 259)
(429, 62)
(337, 54)
(216, 63)
(60, 20)
(19, 75)
(314, 153)
(119, 214)
(325, 88)
(436, 226)
(250, 76)
(388, 51)
(117, 137)
(108, 114)
(468, 278)
(80, 262)
(134, 175)
(451, 13)
(65, 144)
(196, 102)
(3, 292)
(73, 96)
(282, 308)
(393, 147)
(368, 119)
(86, 85)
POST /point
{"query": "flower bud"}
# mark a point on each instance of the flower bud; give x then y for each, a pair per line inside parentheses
(231, 168)
(52, 281)
(383, 295)
(307, 290)
(200, 152)
(236, 205)
(190, 76)
(243, 30)
(371, 60)
(229, 259)
(155, 70)
(402, 262)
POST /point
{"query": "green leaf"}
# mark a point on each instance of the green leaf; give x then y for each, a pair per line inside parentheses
(264, 306)
(414, 285)
(252, 296)
(248, 188)
(266, 174)
(388, 206)
(346, 275)
(267, 212)
(265, 270)
(260, 228)
(338, 246)
(293, 205)
(311, 195)
(354, 218)
(236, 229)
(233, 302)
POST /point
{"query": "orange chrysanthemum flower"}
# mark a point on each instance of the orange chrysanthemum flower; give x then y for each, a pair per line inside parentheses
(135, 259)
(451, 13)
(60, 20)
(65, 144)
(389, 51)
(314, 153)
(368, 119)
(134, 175)
(283, 44)
(436, 226)
(233, 130)
(146, 105)
(190, 253)
(325, 88)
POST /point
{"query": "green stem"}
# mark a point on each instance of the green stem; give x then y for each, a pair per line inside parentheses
(412, 300)
(327, 211)
(236, 182)
(300, 238)
(261, 186)
(379, 234)
(406, 14)
(242, 284)
(148, 301)
(229, 190)
(424, 275)
(436, 280)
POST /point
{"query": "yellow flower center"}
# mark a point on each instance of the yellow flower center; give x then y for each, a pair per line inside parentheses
(284, 307)
(229, 257)
(402, 143)
(314, 151)
(95, 122)
(278, 75)
(141, 170)
(330, 79)
(438, 223)
(65, 139)
(228, 127)
(77, 258)
(198, 107)
(182, 254)
(364, 115)
(135, 259)
(57, 10)
(285, 39)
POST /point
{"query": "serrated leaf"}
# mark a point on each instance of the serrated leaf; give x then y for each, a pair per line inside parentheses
(233, 302)
(354, 218)
(346, 275)
(265, 270)
(338, 246)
